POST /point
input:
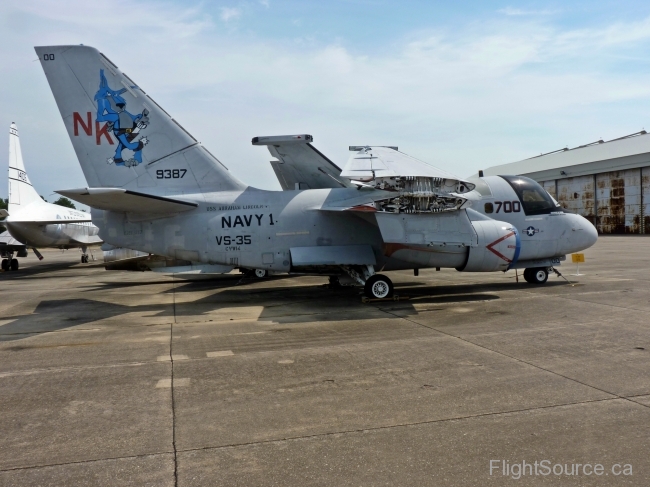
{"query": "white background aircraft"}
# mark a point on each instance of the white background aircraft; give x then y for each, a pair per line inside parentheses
(37, 223)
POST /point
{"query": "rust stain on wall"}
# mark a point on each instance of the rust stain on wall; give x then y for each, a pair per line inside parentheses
(617, 202)
(611, 202)
(576, 195)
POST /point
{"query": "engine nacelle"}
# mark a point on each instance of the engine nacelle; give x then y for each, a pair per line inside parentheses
(497, 247)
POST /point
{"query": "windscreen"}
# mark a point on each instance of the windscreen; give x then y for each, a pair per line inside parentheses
(534, 199)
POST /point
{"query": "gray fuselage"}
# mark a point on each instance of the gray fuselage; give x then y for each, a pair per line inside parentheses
(257, 228)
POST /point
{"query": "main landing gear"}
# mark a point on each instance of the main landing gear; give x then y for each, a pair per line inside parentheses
(84, 255)
(378, 287)
(9, 264)
(375, 286)
(536, 275)
(254, 273)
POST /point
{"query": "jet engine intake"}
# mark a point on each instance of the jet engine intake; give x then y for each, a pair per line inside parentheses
(497, 249)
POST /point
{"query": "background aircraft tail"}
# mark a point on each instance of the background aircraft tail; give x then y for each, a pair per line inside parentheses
(122, 137)
(21, 191)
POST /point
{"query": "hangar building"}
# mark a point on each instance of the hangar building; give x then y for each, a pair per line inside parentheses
(606, 182)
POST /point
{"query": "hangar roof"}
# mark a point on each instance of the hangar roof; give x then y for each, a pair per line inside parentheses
(626, 152)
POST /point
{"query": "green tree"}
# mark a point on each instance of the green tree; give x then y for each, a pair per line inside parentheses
(63, 201)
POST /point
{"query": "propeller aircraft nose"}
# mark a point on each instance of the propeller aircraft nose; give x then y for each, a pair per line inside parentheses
(580, 235)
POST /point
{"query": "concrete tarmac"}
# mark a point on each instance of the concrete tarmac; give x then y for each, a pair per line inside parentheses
(141, 379)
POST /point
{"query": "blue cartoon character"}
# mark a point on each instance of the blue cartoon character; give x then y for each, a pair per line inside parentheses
(111, 108)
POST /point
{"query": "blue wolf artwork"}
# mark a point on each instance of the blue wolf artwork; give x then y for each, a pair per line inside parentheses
(111, 108)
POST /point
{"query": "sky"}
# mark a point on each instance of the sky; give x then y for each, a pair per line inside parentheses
(460, 85)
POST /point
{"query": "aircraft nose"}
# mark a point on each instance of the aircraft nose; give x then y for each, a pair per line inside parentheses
(591, 234)
(582, 235)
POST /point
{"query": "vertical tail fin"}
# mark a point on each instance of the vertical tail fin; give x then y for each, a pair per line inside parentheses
(121, 136)
(21, 192)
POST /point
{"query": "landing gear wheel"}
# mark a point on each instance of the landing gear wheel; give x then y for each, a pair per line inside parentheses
(261, 273)
(14, 264)
(378, 286)
(84, 259)
(536, 275)
(5, 264)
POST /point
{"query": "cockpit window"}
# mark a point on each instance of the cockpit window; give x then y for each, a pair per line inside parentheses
(534, 198)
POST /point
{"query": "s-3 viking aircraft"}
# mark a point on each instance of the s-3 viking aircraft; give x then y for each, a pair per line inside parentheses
(36, 223)
(160, 191)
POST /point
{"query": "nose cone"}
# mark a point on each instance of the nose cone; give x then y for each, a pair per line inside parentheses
(581, 234)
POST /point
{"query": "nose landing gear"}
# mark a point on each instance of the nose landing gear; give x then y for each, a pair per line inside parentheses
(536, 275)
(539, 275)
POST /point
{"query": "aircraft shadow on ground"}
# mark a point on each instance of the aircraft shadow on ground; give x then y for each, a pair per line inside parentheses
(307, 303)
(59, 314)
(37, 270)
(320, 303)
(281, 305)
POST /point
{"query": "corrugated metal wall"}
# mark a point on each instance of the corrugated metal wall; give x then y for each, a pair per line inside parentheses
(616, 202)
(550, 187)
(577, 196)
(645, 201)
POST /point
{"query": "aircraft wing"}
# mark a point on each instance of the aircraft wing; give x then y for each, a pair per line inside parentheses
(7, 242)
(119, 199)
(52, 222)
(363, 201)
(300, 165)
(87, 240)
(377, 163)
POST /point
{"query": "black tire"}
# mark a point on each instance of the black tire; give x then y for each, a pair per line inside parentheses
(536, 275)
(260, 273)
(5, 264)
(14, 264)
(378, 286)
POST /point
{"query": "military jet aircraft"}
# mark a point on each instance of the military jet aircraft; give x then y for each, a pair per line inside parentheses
(157, 189)
(34, 222)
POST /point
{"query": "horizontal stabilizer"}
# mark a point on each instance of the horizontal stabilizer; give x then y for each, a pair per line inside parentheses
(119, 199)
